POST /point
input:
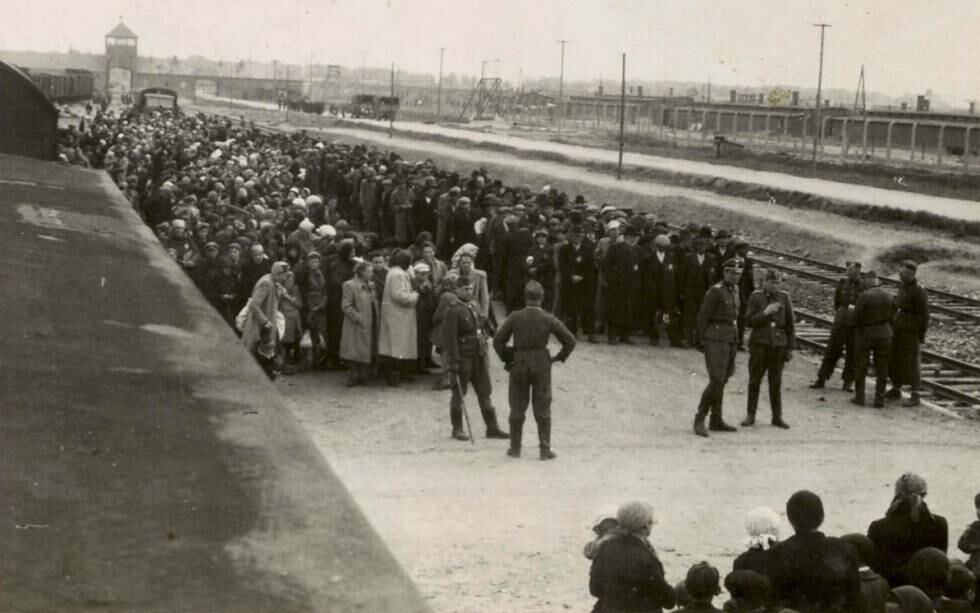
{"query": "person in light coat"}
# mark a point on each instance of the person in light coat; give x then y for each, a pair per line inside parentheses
(397, 339)
(259, 331)
(359, 340)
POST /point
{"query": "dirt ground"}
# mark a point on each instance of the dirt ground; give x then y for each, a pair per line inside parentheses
(479, 531)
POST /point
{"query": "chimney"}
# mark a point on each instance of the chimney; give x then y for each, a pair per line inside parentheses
(921, 103)
(973, 108)
(762, 98)
(732, 96)
(794, 98)
(671, 92)
(639, 91)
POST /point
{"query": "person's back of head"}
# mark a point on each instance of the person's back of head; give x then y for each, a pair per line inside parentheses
(928, 570)
(749, 590)
(864, 549)
(702, 582)
(961, 584)
(908, 599)
(805, 511)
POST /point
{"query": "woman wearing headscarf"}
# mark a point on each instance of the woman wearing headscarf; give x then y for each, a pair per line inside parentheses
(907, 527)
(359, 341)
(762, 525)
(397, 339)
(463, 262)
(259, 331)
(626, 574)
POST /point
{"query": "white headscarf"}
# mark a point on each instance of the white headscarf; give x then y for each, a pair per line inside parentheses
(762, 525)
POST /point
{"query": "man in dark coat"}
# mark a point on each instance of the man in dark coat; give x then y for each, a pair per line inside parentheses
(811, 572)
(843, 331)
(660, 293)
(873, 319)
(716, 326)
(746, 285)
(907, 527)
(771, 342)
(514, 248)
(338, 269)
(529, 363)
(621, 270)
(465, 350)
(910, 326)
(697, 272)
(576, 266)
(541, 267)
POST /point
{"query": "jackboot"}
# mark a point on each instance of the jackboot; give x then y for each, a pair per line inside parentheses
(699, 428)
(516, 434)
(749, 420)
(493, 430)
(818, 384)
(544, 440)
(913, 400)
(848, 386)
(895, 393)
(777, 418)
(753, 404)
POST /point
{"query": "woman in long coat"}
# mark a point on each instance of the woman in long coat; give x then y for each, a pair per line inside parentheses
(259, 331)
(359, 340)
(397, 339)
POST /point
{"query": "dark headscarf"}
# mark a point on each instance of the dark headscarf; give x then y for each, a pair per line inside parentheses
(911, 600)
(805, 511)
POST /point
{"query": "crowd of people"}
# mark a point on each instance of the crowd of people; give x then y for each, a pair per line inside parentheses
(334, 256)
(900, 564)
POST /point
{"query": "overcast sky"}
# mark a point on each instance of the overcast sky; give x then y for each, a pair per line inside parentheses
(907, 46)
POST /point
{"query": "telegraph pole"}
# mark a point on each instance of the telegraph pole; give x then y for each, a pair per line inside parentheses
(287, 92)
(818, 127)
(442, 51)
(561, 84)
(622, 121)
(391, 113)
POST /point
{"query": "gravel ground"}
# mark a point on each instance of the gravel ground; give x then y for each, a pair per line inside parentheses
(478, 531)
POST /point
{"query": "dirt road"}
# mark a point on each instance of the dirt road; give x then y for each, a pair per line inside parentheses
(479, 531)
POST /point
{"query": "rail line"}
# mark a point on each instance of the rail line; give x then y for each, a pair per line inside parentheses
(953, 384)
(962, 309)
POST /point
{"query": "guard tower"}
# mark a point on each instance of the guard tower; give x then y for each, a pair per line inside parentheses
(120, 59)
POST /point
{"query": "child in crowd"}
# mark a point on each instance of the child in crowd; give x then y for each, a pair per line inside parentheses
(604, 527)
(874, 587)
(750, 592)
(702, 584)
(969, 543)
(960, 590)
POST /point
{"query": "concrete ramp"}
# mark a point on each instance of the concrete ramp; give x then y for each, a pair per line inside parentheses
(145, 462)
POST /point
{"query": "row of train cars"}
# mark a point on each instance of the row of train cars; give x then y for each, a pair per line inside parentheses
(68, 85)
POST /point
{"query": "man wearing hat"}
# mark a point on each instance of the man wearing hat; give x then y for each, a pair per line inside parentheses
(313, 292)
(514, 248)
(873, 318)
(621, 272)
(445, 211)
(541, 266)
(722, 250)
(702, 585)
(910, 325)
(697, 272)
(746, 285)
(529, 363)
(576, 267)
(717, 328)
(771, 341)
(660, 292)
(842, 331)
(465, 350)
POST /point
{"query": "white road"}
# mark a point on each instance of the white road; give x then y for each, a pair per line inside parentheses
(966, 210)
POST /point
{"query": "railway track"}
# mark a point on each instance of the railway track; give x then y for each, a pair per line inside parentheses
(952, 384)
(961, 309)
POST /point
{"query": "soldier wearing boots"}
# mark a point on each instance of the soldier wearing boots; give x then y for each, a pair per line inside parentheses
(719, 337)
(873, 317)
(529, 363)
(842, 332)
(911, 323)
(465, 350)
(769, 316)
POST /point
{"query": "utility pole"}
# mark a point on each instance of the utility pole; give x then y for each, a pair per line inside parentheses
(818, 133)
(391, 111)
(561, 85)
(442, 51)
(363, 68)
(709, 89)
(622, 121)
(287, 92)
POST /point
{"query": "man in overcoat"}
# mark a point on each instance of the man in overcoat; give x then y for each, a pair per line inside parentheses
(465, 351)
(910, 326)
(873, 317)
(842, 332)
(576, 268)
(717, 328)
(621, 271)
(697, 273)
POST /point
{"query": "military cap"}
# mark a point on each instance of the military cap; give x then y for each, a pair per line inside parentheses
(731, 263)
(910, 264)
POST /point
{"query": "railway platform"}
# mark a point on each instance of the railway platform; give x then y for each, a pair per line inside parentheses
(147, 465)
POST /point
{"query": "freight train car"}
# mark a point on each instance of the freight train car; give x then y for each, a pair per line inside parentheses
(67, 85)
(28, 119)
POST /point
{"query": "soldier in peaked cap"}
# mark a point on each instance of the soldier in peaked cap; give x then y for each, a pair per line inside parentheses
(719, 337)
(770, 318)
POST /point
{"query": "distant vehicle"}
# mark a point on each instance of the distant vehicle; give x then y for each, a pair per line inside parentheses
(374, 107)
(156, 98)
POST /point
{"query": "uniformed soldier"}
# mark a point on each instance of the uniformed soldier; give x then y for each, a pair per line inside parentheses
(529, 363)
(873, 317)
(842, 332)
(719, 338)
(465, 351)
(910, 325)
(770, 318)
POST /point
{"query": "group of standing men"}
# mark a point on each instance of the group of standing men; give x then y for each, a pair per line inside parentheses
(870, 323)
